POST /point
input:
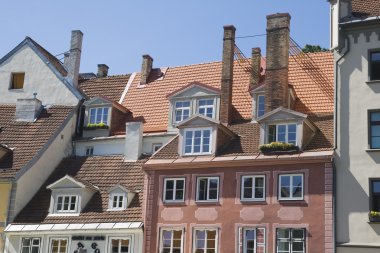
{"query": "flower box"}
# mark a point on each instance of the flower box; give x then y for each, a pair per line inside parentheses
(96, 126)
(374, 216)
(278, 148)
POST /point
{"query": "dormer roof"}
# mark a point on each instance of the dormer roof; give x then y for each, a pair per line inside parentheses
(123, 188)
(194, 89)
(281, 114)
(104, 101)
(198, 120)
(70, 182)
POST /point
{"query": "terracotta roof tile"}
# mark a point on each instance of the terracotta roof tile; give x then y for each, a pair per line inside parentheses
(365, 8)
(101, 171)
(111, 87)
(27, 138)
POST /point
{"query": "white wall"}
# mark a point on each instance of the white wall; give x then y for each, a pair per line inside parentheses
(29, 183)
(355, 165)
(38, 78)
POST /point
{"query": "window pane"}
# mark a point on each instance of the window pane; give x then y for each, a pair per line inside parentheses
(298, 233)
(283, 246)
(202, 189)
(283, 233)
(271, 133)
(375, 142)
(376, 186)
(297, 181)
(180, 184)
(285, 180)
(200, 236)
(375, 130)
(375, 116)
(292, 128)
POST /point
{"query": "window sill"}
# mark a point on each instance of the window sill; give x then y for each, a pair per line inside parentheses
(291, 200)
(63, 214)
(373, 150)
(253, 202)
(16, 90)
(178, 203)
(373, 82)
(203, 203)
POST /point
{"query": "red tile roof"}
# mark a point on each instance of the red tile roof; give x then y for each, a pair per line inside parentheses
(102, 171)
(27, 139)
(365, 8)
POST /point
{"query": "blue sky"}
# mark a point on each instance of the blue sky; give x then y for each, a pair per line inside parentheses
(173, 32)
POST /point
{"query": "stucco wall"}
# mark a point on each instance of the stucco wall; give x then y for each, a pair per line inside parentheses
(309, 213)
(354, 163)
(5, 190)
(38, 78)
(29, 183)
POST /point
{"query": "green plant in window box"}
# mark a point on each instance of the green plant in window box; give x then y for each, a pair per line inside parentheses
(374, 216)
(96, 126)
(278, 147)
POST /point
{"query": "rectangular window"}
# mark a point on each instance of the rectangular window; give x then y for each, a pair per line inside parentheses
(171, 241)
(291, 240)
(375, 195)
(374, 65)
(374, 129)
(291, 187)
(207, 188)
(30, 245)
(260, 106)
(197, 142)
(205, 241)
(118, 201)
(286, 133)
(253, 188)
(206, 107)
(58, 246)
(89, 151)
(66, 204)
(156, 147)
(252, 240)
(181, 110)
(17, 80)
(99, 115)
(174, 189)
(119, 245)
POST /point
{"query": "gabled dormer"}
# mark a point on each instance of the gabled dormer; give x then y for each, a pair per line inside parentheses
(69, 196)
(287, 126)
(194, 98)
(201, 135)
(120, 198)
(101, 116)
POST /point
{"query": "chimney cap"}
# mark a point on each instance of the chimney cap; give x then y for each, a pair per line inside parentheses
(103, 66)
(256, 50)
(147, 56)
(229, 27)
(279, 15)
(77, 31)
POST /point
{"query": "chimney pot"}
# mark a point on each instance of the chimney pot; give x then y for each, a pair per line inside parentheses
(102, 70)
(277, 61)
(227, 74)
(73, 63)
(146, 68)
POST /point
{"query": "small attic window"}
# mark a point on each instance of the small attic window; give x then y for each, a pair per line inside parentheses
(286, 133)
(197, 141)
(99, 115)
(17, 81)
(118, 201)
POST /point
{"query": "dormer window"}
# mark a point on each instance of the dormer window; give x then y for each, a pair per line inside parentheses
(286, 133)
(260, 106)
(206, 107)
(197, 141)
(66, 204)
(118, 201)
(182, 110)
(99, 115)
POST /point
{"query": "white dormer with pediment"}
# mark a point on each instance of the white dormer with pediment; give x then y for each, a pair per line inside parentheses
(285, 125)
(201, 135)
(69, 196)
(120, 198)
(98, 116)
(194, 98)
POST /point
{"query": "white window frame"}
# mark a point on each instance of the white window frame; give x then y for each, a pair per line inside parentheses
(291, 186)
(175, 109)
(290, 240)
(243, 237)
(31, 244)
(156, 146)
(193, 130)
(171, 246)
(205, 247)
(174, 189)
(96, 114)
(63, 198)
(253, 188)
(286, 132)
(59, 239)
(208, 189)
(117, 208)
(90, 151)
(257, 105)
(120, 238)
(206, 107)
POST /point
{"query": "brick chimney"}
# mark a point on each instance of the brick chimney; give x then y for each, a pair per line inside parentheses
(256, 66)
(277, 61)
(227, 74)
(73, 62)
(102, 70)
(146, 68)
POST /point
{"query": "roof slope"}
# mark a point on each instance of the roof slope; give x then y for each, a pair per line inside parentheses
(314, 94)
(365, 8)
(102, 171)
(111, 87)
(27, 138)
